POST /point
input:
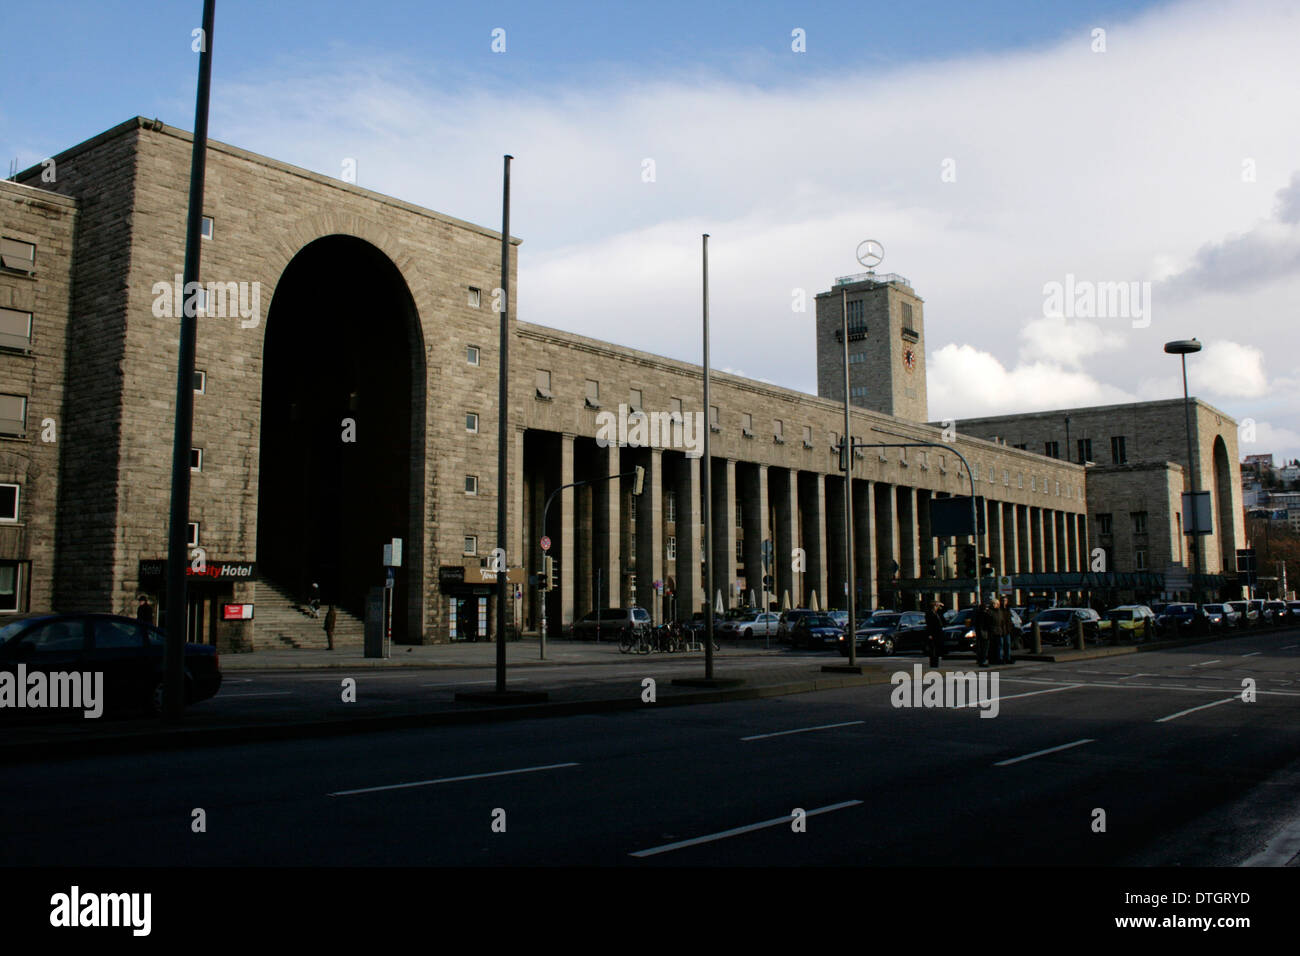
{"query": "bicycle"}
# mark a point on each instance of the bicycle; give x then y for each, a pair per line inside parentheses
(634, 639)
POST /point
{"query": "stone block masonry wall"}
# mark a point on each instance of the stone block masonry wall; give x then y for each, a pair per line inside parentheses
(31, 461)
(100, 174)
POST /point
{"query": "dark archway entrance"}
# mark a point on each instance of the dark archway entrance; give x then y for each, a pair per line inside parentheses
(342, 345)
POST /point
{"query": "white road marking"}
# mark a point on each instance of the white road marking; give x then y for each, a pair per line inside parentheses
(466, 683)
(429, 783)
(1191, 710)
(1288, 647)
(269, 693)
(804, 730)
(1203, 663)
(1130, 676)
(1029, 693)
(1252, 653)
(739, 830)
(1039, 753)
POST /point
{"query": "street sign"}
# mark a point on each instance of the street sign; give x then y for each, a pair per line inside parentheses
(546, 543)
(1004, 584)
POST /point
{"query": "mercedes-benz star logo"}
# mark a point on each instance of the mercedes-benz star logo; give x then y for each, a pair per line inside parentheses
(870, 253)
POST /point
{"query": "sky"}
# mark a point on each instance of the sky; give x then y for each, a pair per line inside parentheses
(1002, 153)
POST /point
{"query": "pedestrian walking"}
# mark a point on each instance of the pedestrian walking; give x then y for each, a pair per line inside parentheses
(144, 611)
(982, 618)
(331, 618)
(1005, 629)
(313, 600)
(934, 633)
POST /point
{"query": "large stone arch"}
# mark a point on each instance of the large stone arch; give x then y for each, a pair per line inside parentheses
(342, 422)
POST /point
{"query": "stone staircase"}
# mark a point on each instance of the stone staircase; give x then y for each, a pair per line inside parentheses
(279, 622)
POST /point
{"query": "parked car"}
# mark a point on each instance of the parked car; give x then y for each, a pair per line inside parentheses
(1186, 616)
(1257, 605)
(1293, 610)
(816, 631)
(1137, 622)
(1245, 613)
(1056, 624)
(889, 632)
(129, 655)
(1221, 616)
(1275, 613)
(613, 622)
(785, 626)
(750, 624)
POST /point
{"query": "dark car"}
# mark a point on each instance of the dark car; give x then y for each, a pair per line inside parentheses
(1186, 616)
(613, 622)
(1275, 612)
(1221, 616)
(816, 631)
(789, 618)
(889, 632)
(128, 654)
(1056, 624)
(959, 629)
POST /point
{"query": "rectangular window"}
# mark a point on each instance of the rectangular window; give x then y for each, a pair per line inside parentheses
(1104, 524)
(471, 355)
(907, 315)
(634, 400)
(1006, 477)
(8, 502)
(1139, 522)
(1020, 479)
(205, 227)
(858, 391)
(544, 384)
(13, 415)
(670, 506)
(740, 551)
(778, 430)
(855, 311)
(10, 573)
(471, 544)
(593, 393)
(471, 484)
(1052, 449)
(807, 436)
(747, 425)
(475, 297)
(1085, 450)
(200, 381)
(1118, 453)
(713, 419)
(471, 423)
(17, 255)
(15, 330)
(857, 358)
(196, 459)
(192, 532)
(1140, 558)
(670, 547)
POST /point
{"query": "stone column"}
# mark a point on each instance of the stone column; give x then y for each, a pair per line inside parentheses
(724, 531)
(690, 530)
(864, 546)
(907, 543)
(815, 540)
(611, 548)
(886, 540)
(1023, 564)
(568, 541)
(784, 492)
(650, 533)
(753, 491)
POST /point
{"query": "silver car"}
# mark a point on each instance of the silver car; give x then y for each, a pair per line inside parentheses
(754, 624)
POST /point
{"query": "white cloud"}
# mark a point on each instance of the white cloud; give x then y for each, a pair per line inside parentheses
(1122, 166)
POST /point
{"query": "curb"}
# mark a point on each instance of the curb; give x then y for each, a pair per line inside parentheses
(185, 738)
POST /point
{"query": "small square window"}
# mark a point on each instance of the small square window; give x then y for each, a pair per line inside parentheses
(670, 547)
(475, 297)
(15, 330)
(13, 415)
(471, 422)
(471, 354)
(471, 484)
(196, 459)
(200, 381)
(17, 255)
(192, 531)
(205, 227)
(8, 502)
(471, 544)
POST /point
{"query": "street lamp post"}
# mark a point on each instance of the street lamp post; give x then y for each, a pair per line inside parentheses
(1182, 348)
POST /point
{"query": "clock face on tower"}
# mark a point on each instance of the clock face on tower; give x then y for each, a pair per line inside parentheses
(909, 359)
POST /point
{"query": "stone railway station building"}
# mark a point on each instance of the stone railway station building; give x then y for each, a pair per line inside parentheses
(347, 371)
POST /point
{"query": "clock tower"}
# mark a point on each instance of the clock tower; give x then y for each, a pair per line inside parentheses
(886, 345)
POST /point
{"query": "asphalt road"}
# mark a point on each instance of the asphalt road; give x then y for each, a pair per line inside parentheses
(1185, 772)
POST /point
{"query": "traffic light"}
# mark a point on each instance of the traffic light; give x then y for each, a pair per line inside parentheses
(552, 582)
(968, 561)
(986, 567)
(547, 576)
(638, 480)
(768, 582)
(929, 568)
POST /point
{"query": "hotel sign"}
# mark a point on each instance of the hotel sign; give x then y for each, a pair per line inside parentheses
(156, 570)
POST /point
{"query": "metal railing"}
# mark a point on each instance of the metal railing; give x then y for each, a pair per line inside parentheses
(881, 278)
